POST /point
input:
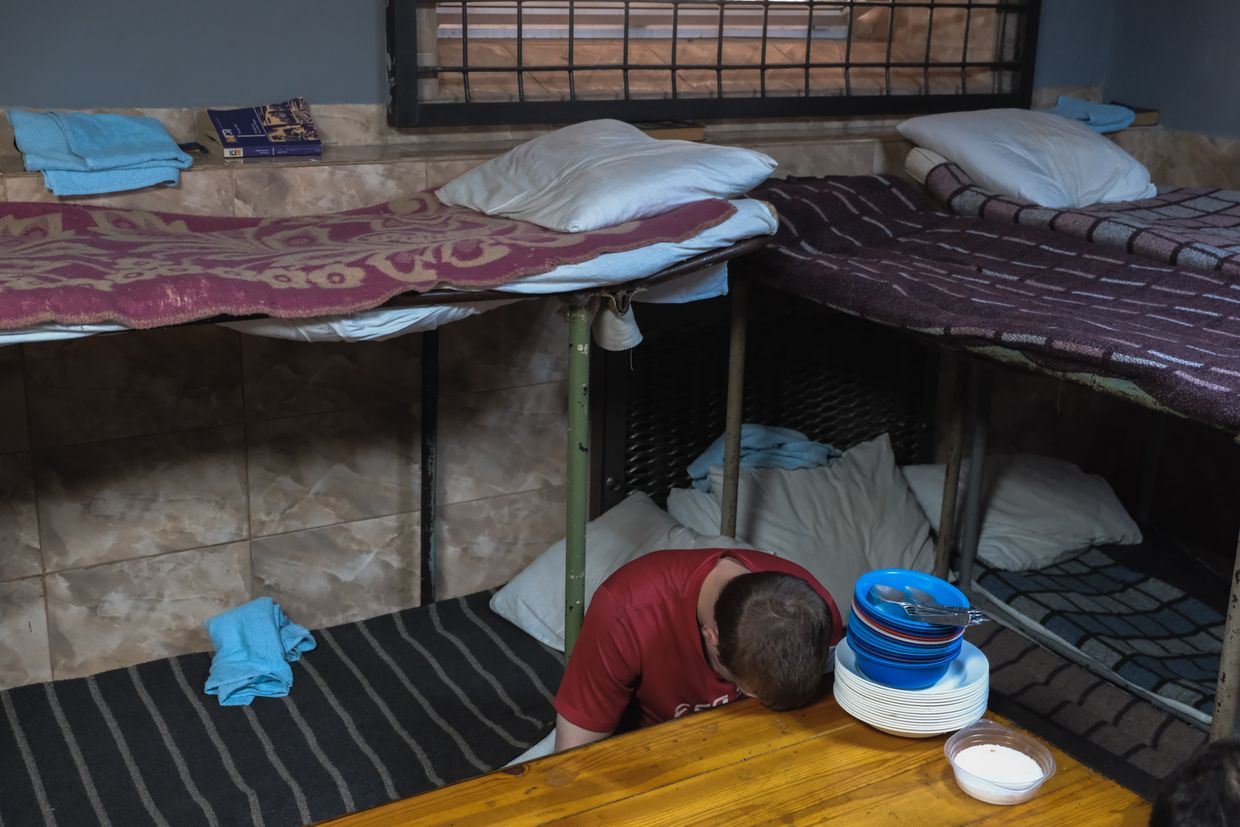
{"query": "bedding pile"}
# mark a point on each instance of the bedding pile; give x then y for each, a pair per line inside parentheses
(874, 247)
(1198, 228)
(77, 265)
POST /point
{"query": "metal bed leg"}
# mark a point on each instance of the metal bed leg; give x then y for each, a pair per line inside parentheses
(735, 400)
(429, 482)
(1227, 691)
(578, 472)
(972, 525)
(954, 376)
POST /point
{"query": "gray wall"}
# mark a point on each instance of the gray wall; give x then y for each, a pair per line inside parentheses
(1181, 58)
(1074, 42)
(156, 53)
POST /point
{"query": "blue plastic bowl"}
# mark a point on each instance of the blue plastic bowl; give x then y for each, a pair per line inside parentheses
(881, 643)
(939, 589)
(900, 675)
(900, 623)
(878, 650)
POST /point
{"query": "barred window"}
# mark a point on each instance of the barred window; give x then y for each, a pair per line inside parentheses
(514, 61)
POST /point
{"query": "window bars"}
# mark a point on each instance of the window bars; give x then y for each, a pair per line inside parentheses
(462, 62)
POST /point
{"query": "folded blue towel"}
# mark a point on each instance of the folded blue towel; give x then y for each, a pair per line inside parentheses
(1101, 117)
(82, 154)
(253, 646)
(764, 446)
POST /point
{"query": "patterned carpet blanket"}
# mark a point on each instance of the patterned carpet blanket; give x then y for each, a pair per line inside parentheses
(1150, 615)
(380, 710)
(1197, 228)
(77, 265)
(875, 247)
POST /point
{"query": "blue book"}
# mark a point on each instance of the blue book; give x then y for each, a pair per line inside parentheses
(264, 131)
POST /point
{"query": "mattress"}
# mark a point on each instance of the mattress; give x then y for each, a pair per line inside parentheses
(1180, 226)
(875, 247)
(749, 219)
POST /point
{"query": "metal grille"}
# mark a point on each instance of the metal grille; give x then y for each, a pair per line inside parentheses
(514, 61)
(837, 379)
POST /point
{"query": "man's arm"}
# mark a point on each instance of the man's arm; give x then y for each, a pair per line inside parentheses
(569, 735)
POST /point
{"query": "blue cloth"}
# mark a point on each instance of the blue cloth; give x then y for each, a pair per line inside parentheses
(253, 646)
(82, 154)
(1101, 117)
(765, 446)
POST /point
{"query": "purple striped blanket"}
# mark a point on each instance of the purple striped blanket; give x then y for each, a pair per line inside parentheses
(1197, 228)
(875, 247)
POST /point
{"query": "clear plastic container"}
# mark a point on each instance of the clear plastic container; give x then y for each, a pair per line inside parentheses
(997, 791)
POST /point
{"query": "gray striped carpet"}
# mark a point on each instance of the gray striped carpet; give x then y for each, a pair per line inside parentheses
(1103, 726)
(382, 709)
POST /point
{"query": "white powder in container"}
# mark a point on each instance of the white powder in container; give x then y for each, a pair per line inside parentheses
(999, 764)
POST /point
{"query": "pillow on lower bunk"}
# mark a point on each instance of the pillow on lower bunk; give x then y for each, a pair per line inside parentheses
(837, 522)
(1037, 510)
(1035, 156)
(602, 173)
(534, 599)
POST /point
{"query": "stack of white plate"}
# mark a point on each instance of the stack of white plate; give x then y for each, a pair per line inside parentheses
(956, 701)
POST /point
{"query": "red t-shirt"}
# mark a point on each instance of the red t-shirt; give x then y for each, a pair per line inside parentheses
(640, 640)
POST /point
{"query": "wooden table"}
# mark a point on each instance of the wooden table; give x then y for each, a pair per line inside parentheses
(745, 765)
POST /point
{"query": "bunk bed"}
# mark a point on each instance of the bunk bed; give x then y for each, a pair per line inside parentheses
(1161, 336)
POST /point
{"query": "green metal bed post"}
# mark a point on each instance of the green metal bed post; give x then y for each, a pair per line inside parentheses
(972, 523)
(953, 378)
(578, 471)
(735, 400)
(1227, 691)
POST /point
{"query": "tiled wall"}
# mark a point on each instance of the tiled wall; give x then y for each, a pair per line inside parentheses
(149, 480)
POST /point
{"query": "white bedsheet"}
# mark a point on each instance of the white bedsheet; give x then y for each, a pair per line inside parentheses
(752, 218)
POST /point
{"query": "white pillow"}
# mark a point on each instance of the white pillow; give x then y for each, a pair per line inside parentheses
(601, 173)
(1035, 156)
(837, 522)
(1038, 511)
(534, 599)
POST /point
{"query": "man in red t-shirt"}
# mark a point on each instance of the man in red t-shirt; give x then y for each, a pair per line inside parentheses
(678, 631)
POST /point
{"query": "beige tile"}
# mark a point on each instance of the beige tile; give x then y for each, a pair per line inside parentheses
(439, 173)
(125, 613)
(308, 190)
(486, 543)
(1184, 159)
(889, 156)
(341, 573)
(131, 384)
(324, 469)
(206, 191)
(288, 378)
(520, 344)
(501, 442)
(24, 656)
(19, 522)
(140, 497)
(840, 157)
(13, 434)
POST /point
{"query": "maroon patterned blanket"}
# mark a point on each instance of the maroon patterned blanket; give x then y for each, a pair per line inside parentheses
(875, 247)
(77, 265)
(1197, 228)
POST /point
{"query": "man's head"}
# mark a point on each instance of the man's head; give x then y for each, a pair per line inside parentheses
(771, 637)
(1204, 792)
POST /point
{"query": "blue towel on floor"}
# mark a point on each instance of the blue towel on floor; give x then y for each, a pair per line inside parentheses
(253, 646)
(1101, 117)
(82, 154)
(764, 446)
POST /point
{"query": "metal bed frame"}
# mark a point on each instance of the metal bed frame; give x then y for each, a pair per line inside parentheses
(973, 393)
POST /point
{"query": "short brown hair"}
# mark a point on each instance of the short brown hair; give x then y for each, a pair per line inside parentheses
(774, 631)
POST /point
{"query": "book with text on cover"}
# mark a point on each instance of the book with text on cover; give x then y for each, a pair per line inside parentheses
(263, 131)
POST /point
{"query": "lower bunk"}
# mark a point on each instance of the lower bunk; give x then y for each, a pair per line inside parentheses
(380, 709)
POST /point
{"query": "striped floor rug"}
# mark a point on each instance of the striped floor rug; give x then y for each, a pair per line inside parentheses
(382, 709)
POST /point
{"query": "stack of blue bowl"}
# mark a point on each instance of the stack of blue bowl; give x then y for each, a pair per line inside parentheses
(893, 649)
